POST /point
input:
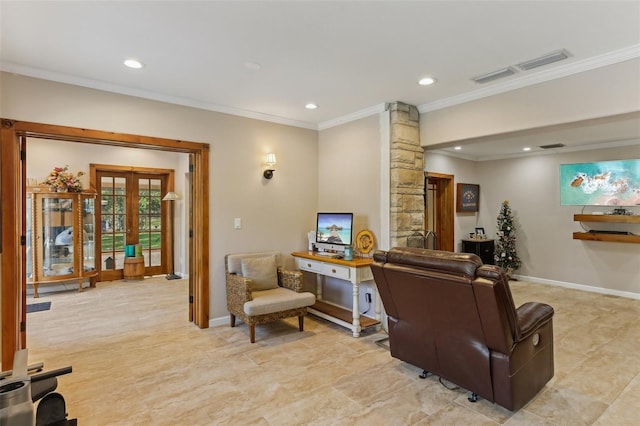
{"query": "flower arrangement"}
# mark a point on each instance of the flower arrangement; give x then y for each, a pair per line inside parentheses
(60, 179)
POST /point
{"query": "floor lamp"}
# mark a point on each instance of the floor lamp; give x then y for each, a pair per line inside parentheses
(172, 197)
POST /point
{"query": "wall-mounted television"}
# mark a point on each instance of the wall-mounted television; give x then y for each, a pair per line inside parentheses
(600, 183)
(334, 231)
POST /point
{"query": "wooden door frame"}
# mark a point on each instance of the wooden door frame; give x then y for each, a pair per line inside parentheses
(12, 191)
(94, 169)
(444, 210)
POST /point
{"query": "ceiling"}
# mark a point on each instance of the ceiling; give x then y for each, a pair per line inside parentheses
(267, 59)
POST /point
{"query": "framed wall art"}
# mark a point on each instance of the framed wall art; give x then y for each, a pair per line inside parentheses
(467, 197)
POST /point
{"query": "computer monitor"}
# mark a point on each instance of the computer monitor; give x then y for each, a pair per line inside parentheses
(334, 231)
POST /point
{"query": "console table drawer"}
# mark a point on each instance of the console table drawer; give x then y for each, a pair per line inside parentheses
(336, 271)
(310, 265)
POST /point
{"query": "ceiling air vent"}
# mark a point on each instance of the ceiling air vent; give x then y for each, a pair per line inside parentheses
(551, 146)
(549, 58)
(494, 75)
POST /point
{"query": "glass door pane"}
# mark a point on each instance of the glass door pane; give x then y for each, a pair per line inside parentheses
(150, 220)
(113, 218)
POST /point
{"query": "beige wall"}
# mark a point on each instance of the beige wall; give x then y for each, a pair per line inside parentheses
(349, 181)
(602, 92)
(544, 239)
(547, 248)
(275, 214)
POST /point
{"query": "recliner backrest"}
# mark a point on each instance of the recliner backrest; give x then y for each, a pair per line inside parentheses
(429, 295)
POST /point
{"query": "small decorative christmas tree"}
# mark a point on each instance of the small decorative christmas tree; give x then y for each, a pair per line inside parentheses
(505, 252)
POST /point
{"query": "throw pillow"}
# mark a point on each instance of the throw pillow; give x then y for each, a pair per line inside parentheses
(262, 271)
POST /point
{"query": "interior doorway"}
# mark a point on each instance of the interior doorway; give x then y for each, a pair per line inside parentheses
(13, 135)
(438, 215)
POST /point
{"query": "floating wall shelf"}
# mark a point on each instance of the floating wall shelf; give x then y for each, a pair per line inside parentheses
(595, 236)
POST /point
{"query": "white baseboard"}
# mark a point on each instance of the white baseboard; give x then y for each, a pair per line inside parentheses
(582, 287)
(220, 321)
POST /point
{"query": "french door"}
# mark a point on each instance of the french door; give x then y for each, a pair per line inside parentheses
(131, 212)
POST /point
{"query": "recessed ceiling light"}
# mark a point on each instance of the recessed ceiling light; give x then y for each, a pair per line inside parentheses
(311, 105)
(426, 81)
(457, 148)
(526, 148)
(133, 63)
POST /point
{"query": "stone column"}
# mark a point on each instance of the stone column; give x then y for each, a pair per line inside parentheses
(407, 174)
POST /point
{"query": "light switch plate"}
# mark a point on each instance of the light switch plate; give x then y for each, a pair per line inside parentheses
(237, 223)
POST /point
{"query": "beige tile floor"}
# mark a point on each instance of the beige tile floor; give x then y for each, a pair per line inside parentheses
(138, 361)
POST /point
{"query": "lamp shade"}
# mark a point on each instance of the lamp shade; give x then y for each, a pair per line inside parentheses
(171, 196)
(271, 159)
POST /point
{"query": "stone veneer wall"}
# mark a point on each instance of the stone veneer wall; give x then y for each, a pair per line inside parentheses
(407, 174)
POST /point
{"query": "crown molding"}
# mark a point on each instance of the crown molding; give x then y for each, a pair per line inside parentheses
(122, 90)
(375, 109)
(610, 58)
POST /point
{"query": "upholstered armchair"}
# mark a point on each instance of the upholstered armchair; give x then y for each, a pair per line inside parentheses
(260, 290)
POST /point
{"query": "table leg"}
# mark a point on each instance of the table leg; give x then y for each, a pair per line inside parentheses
(356, 310)
(319, 281)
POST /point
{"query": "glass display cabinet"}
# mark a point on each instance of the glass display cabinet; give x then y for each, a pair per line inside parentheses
(60, 237)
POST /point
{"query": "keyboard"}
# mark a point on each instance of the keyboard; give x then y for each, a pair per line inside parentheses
(327, 254)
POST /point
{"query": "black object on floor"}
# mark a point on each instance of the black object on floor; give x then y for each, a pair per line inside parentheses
(37, 307)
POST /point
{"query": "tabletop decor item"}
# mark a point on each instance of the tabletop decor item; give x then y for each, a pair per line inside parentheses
(365, 241)
(60, 179)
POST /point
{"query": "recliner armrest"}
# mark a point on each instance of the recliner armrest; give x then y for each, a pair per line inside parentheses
(531, 316)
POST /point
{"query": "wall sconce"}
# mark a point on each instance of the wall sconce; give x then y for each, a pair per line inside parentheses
(271, 163)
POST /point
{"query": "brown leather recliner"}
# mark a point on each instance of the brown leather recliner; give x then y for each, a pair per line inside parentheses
(454, 317)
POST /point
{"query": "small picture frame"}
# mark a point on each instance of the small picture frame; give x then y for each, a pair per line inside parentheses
(467, 197)
(480, 231)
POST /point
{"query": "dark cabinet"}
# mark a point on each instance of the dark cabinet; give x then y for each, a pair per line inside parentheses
(483, 248)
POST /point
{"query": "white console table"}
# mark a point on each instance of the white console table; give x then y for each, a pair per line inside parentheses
(354, 271)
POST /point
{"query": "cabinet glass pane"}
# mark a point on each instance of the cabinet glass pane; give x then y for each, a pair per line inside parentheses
(57, 236)
(88, 243)
(30, 235)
